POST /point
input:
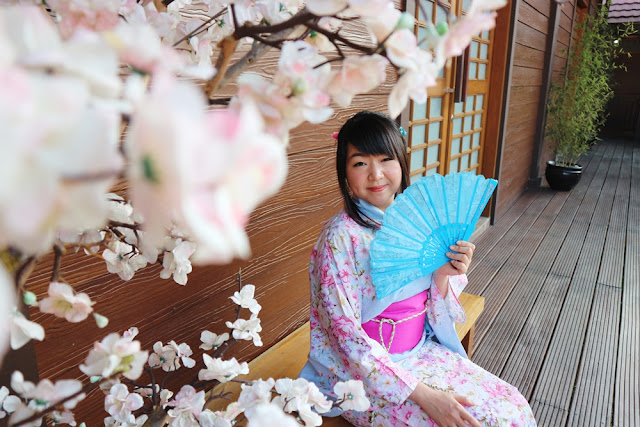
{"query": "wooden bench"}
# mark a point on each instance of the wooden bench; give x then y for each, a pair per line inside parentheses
(287, 357)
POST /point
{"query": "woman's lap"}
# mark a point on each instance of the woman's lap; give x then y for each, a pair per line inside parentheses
(497, 402)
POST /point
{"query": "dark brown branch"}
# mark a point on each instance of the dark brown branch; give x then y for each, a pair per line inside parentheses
(297, 19)
(24, 271)
(335, 36)
(57, 252)
(200, 28)
(97, 176)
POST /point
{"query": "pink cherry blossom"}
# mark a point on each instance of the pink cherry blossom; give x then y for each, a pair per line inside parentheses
(187, 405)
(46, 393)
(183, 351)
(115, 354)
(259, 392)
(402, 48)
(177, 263)
(358, 74)
(485, 5)
(461, 33)
(62, 301)
(122, 259)
(97, 15)
(120, 404)
(164, 356)
(51, 158)
(221, 370)
(413, 83)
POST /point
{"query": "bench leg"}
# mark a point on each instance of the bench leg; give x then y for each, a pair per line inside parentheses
(467, 341)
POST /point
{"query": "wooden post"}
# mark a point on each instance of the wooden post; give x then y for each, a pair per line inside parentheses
(538, 139)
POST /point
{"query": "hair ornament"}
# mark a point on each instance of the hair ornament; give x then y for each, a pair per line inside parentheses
(402, 131)
(335, 135)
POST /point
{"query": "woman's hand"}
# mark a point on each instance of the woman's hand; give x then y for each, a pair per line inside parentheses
(444, 408)
(460, 255)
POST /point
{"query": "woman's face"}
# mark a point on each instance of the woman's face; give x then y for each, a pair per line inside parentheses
(375, 178)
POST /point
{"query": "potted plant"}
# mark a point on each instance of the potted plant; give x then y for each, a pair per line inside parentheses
(576, 106)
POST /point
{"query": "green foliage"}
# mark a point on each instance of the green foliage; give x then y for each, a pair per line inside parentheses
(576, 107)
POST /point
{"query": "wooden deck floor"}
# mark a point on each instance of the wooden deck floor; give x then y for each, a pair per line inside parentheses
(561, 275)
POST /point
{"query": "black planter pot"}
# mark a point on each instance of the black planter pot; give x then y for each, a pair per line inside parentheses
(562, 178)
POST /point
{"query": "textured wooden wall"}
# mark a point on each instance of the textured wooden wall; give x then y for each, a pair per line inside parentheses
(531, 32)
(282, 232)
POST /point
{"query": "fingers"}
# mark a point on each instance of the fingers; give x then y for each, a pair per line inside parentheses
(464, 414)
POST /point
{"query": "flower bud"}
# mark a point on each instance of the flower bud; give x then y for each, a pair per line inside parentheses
(406, 21)
(101, 321)
(29, 298)
(442, 28)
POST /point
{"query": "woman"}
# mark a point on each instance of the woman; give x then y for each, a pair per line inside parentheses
(403, 347)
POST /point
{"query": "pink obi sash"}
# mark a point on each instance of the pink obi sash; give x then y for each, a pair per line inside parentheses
(400, 326)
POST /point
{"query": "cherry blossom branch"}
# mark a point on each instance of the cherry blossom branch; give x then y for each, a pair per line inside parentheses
(298, 19)
(58, 251)
(200, 28)
(85, 389)
(335, 36)
(24, 271)
(96, 176)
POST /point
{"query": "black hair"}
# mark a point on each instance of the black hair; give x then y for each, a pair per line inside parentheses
(371, 133)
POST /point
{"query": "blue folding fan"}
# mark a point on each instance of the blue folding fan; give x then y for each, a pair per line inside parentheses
(418, 228)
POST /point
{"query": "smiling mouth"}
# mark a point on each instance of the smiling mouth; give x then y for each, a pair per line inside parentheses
(377, 189)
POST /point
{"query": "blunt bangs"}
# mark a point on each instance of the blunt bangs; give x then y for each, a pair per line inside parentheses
(371, 133)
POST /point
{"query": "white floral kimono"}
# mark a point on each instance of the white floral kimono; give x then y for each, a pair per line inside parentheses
(343, 297)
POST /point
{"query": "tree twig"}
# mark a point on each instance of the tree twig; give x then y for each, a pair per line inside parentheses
(57, 252)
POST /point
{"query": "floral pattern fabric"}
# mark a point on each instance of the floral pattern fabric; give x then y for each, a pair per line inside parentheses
(341, 350)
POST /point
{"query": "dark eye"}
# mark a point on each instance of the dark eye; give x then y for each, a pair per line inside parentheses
(359, 164)
(387, 159)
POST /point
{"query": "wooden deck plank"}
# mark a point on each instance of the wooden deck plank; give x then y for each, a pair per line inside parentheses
(525, 360)
(508, 323)
(494, 234)
(627, 392)
(501, 286)
(552, 393)
(496, 256)
(592, 401)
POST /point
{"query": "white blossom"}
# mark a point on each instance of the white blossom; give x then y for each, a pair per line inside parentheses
(115, 354)
(8, 403)
(212, 341)
(164, 356)
(177, 263)
(187, 405)
(221, 370)
(352, 394)
(255, 394)
(123, 260)
(63, 302)
(245, 299)
(247, 329)
(23, 330)
(120, 404)
(270, 415)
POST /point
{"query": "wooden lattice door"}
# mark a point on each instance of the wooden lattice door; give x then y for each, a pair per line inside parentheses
(445, 135)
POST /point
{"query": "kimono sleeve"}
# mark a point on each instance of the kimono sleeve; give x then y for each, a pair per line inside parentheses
(447, 308)
(335, 275)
